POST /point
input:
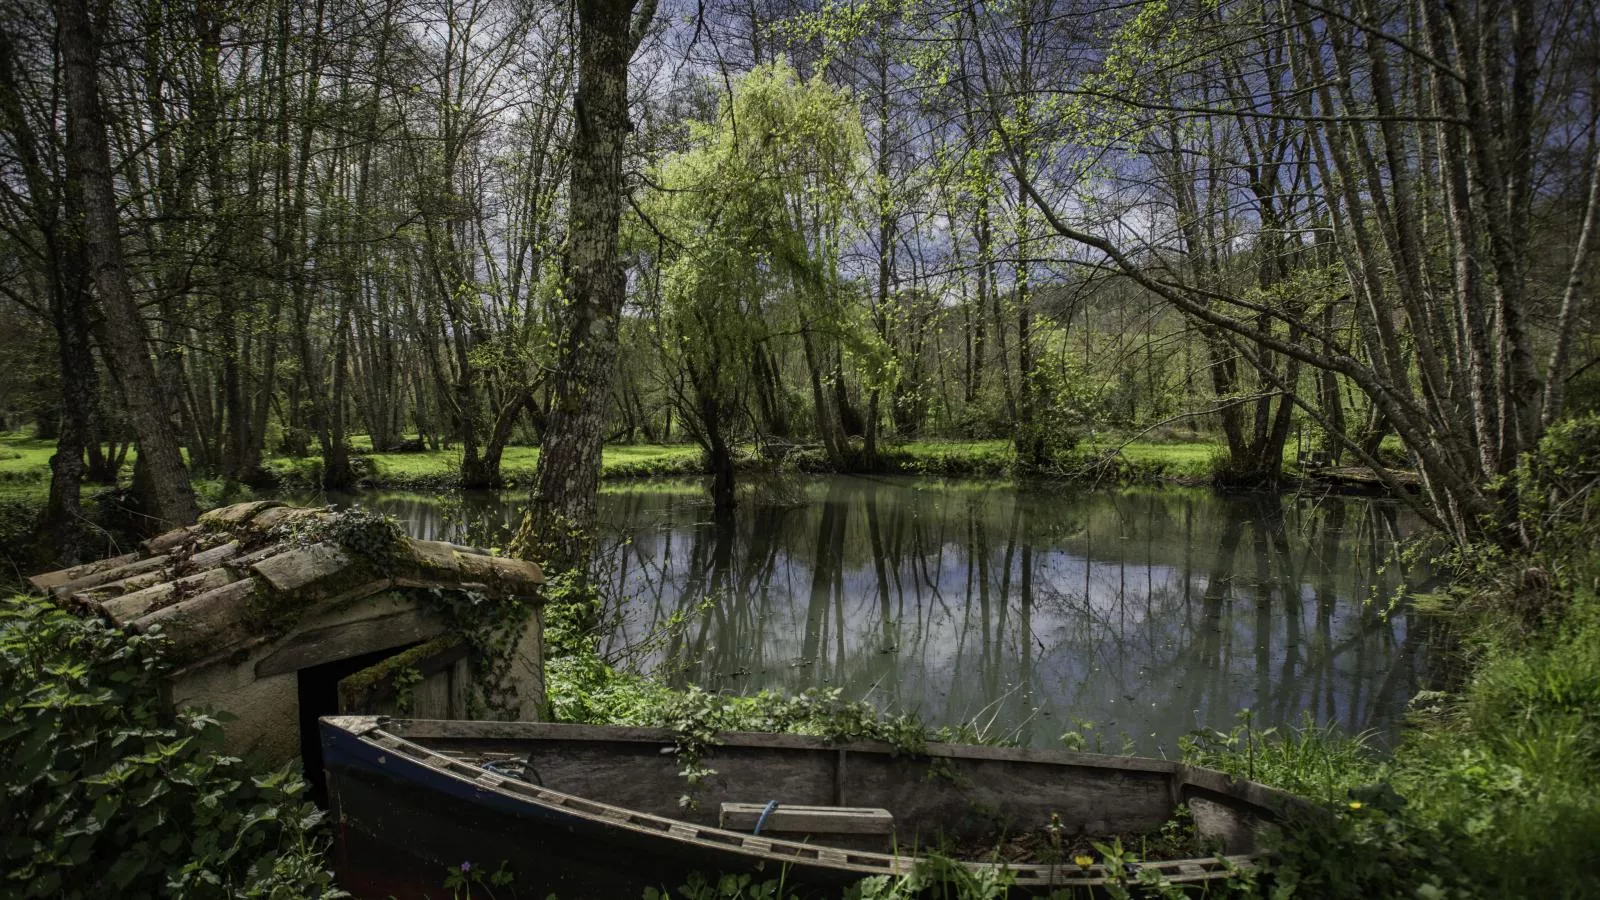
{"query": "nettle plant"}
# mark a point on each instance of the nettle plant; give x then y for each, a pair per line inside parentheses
(105, 795)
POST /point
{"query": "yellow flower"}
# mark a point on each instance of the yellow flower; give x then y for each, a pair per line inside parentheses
(1083, 860)
(1355, 804)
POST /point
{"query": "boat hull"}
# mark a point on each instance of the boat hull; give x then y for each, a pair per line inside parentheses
(407, 817)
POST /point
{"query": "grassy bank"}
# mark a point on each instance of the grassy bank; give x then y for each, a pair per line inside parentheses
(441, 468)
(25, 463)
(1138, 461)
(1494, 790)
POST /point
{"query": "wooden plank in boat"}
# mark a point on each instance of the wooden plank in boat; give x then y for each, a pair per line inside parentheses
(833, 857)
(807, 819)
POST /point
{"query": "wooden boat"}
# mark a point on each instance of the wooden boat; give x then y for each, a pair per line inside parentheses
(596, 812)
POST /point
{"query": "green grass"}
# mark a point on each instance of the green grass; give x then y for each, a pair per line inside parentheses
(517, 464)
(24, 463)
(934, 447)
(25, 474)
(1191, 460)
(1494, 793)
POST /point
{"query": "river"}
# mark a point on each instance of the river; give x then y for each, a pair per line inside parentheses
(1022, 612)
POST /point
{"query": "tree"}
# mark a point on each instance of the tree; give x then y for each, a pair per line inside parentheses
(731, 218)
(51, 213)
(1425, 130)
(558, 529)
(161, 481)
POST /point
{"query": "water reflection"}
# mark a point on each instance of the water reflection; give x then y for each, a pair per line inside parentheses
(1149, 612)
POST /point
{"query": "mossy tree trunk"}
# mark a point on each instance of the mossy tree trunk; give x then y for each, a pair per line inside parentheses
(558, 530)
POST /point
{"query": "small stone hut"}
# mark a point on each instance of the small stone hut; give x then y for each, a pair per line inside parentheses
(280, 614)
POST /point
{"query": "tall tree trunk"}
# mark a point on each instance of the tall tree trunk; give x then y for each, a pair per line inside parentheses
(827, 422)
(56, 214)
(559, 527)
(168, 498)
(59, 530)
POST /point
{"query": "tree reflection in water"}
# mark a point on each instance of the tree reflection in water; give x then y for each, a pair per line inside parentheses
(1149, 611)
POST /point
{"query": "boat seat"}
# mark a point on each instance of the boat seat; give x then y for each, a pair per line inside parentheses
(851, 827)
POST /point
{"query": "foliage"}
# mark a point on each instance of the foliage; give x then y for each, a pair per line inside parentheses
(105, 795)
(583, 688)
(492, 629)
(936, 876)
(740, 235)
(948, 458)
(1316, 761)
(727, 887)
(1559, 485)
(461, 880)
(363, 533)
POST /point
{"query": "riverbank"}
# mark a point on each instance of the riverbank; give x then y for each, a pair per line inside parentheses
(25, 472)
(1189, 462)
(25, 463)
(1494, 789)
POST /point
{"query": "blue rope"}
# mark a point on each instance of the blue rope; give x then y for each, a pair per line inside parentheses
(771, 805)
(527, 769)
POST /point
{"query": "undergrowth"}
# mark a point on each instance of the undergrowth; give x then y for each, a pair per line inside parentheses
(105, 796)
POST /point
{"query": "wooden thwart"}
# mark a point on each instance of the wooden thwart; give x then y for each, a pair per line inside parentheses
(807, 819)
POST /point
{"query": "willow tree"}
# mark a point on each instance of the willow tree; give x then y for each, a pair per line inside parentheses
(735, 224)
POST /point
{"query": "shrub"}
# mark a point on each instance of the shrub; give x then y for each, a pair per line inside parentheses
(107, 796)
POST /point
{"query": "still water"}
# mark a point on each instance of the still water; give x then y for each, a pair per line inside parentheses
(1148, 612)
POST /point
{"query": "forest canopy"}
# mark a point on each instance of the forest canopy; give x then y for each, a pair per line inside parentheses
(239, 231)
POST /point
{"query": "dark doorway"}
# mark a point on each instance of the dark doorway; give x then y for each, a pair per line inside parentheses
(319, 696)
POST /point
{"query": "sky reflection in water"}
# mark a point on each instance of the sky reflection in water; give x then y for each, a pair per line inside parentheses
(1149, 612)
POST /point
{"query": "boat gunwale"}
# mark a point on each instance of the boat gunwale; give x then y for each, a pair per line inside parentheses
(394, 735)
(449, 729)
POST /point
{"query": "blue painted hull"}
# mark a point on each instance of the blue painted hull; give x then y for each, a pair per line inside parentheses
(402, 828)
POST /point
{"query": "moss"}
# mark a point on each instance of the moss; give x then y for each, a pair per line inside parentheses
(399, 672)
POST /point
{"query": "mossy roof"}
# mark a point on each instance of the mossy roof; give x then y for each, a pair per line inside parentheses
(246, 573)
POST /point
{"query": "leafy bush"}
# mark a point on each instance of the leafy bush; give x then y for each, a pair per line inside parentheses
(17, 519)
(948, 458)
(106, 796)
(1558, 487)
